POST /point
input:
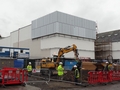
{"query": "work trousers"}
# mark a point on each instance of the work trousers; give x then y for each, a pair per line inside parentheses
(29, 73)
(60, 77)
(76, 81)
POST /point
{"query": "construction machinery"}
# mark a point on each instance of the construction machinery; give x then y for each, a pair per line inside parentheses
(52, 64)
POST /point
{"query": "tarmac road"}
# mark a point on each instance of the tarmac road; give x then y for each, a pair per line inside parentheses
(28, 87)
(115, 86)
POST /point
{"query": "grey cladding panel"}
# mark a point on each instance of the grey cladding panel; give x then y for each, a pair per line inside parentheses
(92, 25)
(77, 21)
(76, 31)
(47, 29)
(40, 22)
(37, 32)
(63, 23)
(53, 17)
(70, 19)
(94, 34)
(34, 24)
(61, 17)
(46, 20)
(81, 32)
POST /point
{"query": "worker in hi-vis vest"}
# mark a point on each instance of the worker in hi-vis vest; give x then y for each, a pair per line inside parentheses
(76, 74)
(29, 69)
(60, 70)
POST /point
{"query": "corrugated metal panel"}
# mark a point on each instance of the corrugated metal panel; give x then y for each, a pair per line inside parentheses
(37, 32)
(34, 24)
(46, 19)
(51, 27)
(65, 29)
(70, 19)
(76, 23)
(53, 17)
(42, 31)
(92, 25)
(63, 23)
(94, 34)
(82, 32)
(76, 31)
(80, 22)
(61, 17)
(41, 22)
(56, 27)
(47, 29)
(87, 33)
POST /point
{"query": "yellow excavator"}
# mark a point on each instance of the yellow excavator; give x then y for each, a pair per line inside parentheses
(52, 64)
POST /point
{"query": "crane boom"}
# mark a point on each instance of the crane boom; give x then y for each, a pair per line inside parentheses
(66, 50)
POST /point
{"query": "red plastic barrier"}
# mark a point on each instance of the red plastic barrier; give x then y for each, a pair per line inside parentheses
(13, 76)
(105, 77)
(99, 77)
(9, 68)
(116, 75)
(93, 77)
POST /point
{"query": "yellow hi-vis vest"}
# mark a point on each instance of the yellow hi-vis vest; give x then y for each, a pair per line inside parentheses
(29, 68)
(77, 75)
(60, 70)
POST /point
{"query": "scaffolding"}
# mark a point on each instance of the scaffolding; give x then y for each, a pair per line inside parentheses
(103, 50)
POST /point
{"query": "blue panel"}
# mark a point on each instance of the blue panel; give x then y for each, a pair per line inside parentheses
(70, 62)
(68, 67)
(19, 63)
(5, 54)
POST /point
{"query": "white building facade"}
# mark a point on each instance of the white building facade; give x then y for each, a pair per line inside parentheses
(57, 30)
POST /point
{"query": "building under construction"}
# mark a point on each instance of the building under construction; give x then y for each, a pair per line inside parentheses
(107, 45)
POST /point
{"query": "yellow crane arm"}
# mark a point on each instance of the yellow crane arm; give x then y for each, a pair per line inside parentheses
(66, 50)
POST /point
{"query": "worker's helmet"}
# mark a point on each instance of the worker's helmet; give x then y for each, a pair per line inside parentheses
(60, 63)
(75, 65)
(29, 62)
(106, 62)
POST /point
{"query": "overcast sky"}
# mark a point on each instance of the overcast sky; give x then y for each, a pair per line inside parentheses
(15, 14)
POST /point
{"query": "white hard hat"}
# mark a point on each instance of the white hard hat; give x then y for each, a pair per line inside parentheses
(106, 62)
(60, 63)
(75, 66)
(29, 62)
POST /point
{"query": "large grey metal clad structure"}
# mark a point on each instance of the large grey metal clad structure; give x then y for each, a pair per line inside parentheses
(58, 22)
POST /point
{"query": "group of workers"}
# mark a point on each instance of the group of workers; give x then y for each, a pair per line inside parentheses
(60, 70)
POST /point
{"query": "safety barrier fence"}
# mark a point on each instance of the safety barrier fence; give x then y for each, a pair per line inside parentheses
(10, 76)
(96, 77)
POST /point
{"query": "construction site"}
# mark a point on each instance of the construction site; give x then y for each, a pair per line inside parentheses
(60, 39)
